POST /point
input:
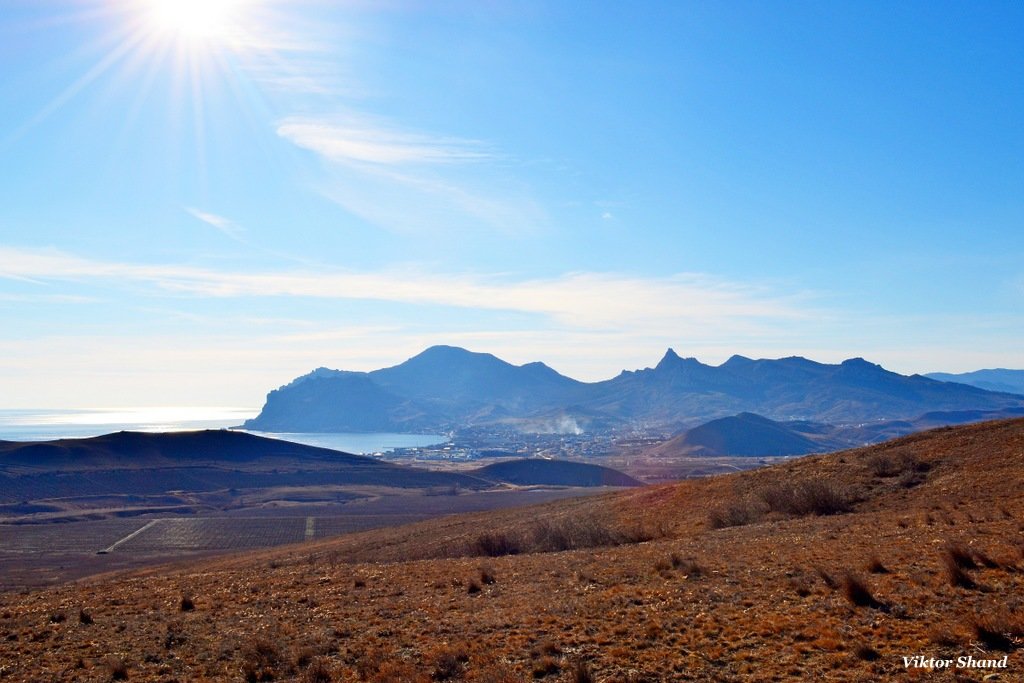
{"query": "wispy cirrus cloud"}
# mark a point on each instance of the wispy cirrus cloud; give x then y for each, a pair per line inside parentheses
(578, 300)
(412, 181)
(366, 142)
(226, 226)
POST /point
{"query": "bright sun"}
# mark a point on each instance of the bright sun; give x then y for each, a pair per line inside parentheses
(207, 20)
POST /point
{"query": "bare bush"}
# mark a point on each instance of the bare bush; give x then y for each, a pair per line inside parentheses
(875, 566)
(857, 592)
(739, 513)
(117, 668)
(958, 559)
(487, 576)
(867, 653)
(808, 497)
(1000, 631)
(263, 661)
(894, 464)
(495, 544)
(449, 664)
(318, 671)
(580, 673)
(558, 534)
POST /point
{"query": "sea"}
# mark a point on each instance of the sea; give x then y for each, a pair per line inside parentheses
(48, 425)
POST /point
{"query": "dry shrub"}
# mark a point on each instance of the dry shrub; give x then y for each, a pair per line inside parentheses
(545, 648)
(857, 592)
(893, 464)
(303, 657)
(473, 587)
(495, 544)
(960, 555)
(984, 560)
(318, 671)
(687, 566)
(808, 497)
(875, 566)
(173, 637)
(187, 604)
(1002, 630)
(581, 673)
(738, 513)
(943, 636)
(487, 576)
(827, 578)
(546, 666)
(369, 663)
(263, 661)
(84, 617)
(801, 586)
(117, 668)
(557, 534)
(867, 653)
(958, 559)
(571, 533)
(449, 664)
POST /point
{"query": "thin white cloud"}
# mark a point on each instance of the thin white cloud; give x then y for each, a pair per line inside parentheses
(365, 142)
(410, 181)
(581, 300)
(226, 226)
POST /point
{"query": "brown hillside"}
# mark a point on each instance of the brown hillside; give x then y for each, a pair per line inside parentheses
(830, 567)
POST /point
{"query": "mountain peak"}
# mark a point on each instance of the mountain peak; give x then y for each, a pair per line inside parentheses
(445, 351)
(860, 364)
(671, 359)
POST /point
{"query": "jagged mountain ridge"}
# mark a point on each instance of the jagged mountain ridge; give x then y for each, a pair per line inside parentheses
(447, 387)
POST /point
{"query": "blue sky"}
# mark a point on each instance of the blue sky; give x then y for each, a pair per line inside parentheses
(199, 204)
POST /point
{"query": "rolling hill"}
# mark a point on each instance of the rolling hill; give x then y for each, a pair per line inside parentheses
(828, 567)
(148, 465)
(145, 464)
(749, 435)
(745, 434)
(538, 471)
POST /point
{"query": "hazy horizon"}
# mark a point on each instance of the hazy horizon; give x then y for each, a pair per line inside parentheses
(204, 200)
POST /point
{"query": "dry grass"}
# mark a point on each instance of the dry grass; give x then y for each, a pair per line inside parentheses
(769, 600)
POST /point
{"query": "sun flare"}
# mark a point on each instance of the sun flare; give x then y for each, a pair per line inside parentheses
(205, 20)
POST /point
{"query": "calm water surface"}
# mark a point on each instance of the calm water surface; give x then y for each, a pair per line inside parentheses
(45, 425)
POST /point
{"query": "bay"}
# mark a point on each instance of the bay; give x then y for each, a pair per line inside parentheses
(48, 425)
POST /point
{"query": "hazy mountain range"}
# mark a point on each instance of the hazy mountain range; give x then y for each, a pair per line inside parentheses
(998, 379)
(447, 387)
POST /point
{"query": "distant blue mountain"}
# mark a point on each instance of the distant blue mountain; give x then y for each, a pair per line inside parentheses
(447, 387)
(997, 379)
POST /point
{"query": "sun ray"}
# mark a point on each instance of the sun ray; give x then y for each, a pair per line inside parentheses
(111, 59)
